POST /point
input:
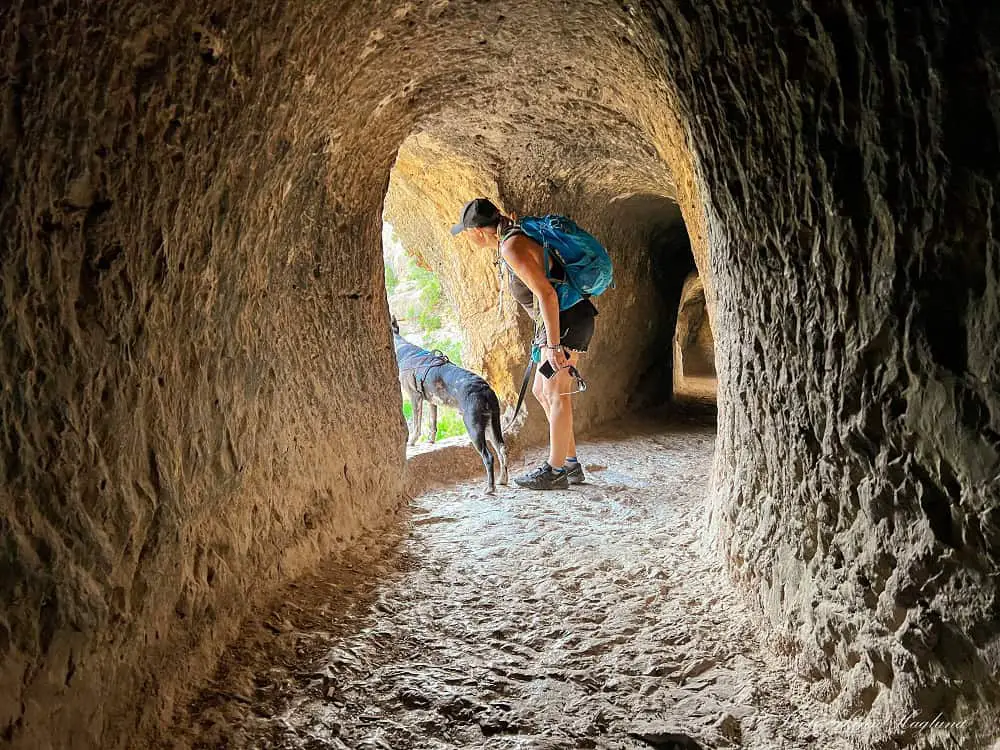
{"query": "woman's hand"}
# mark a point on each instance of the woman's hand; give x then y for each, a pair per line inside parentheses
(556, 358)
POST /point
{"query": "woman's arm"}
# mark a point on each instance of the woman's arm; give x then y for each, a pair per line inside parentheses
(525, 257)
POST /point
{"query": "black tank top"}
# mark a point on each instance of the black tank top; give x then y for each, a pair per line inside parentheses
(518, 289)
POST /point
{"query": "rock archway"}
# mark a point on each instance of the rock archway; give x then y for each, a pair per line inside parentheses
(627, 367)
(694, 344)
(192, 308)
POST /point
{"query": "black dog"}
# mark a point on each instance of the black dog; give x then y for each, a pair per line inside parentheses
(429, 376)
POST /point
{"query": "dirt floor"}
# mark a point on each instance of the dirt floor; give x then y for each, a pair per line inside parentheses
(587, 618)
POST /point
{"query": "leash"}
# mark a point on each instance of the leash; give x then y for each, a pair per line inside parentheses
(531, 362)
(524, 388)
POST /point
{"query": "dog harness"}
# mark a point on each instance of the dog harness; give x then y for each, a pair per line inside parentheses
(427, 362)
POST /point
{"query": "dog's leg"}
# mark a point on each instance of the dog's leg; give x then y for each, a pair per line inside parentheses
(475, 425)
(418, 412)
(495, 434)
(501, 451)
(480, 442)
(434, 422)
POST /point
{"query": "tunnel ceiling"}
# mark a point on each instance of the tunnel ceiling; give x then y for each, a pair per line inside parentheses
(196, 362)
(554, 95)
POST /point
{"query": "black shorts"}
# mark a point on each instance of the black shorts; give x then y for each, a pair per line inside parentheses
(576, 327)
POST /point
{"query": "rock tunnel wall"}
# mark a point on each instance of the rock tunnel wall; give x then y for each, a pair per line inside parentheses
(192, 309)
(849, 160)
(182, 410)
(694, 353)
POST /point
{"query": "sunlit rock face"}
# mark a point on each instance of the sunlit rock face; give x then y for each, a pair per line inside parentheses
(693, 344)
(198, 397)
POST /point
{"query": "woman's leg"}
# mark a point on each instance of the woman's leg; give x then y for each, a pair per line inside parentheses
(560, 413)
(538, 391)
(571, 445)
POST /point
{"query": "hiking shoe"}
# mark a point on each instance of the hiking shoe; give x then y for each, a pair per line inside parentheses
(575, 473)
(543, 478)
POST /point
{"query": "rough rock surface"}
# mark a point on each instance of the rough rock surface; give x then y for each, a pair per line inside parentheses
(588, 618)
(194, 333)
(857, 271)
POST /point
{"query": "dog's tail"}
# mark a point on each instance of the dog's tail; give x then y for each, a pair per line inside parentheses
(496, 430)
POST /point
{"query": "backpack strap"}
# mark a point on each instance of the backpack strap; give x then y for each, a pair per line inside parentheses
(510, 232)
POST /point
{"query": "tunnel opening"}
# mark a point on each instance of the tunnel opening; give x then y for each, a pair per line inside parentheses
(424, 318)
(629, 365)
(694, 374)
(679, 357)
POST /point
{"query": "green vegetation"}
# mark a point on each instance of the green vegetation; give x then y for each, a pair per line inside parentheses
(447, 346)
(391, 280)
(450, 421)
(424, 310)
(424, 317)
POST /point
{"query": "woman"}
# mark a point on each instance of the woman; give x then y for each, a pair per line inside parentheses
(561, 335)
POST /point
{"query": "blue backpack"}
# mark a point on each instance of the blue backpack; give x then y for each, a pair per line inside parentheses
(588, 267)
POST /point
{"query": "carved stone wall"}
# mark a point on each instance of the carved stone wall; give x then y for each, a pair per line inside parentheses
(197, 397)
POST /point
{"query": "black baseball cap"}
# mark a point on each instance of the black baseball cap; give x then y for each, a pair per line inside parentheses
(479, 212)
